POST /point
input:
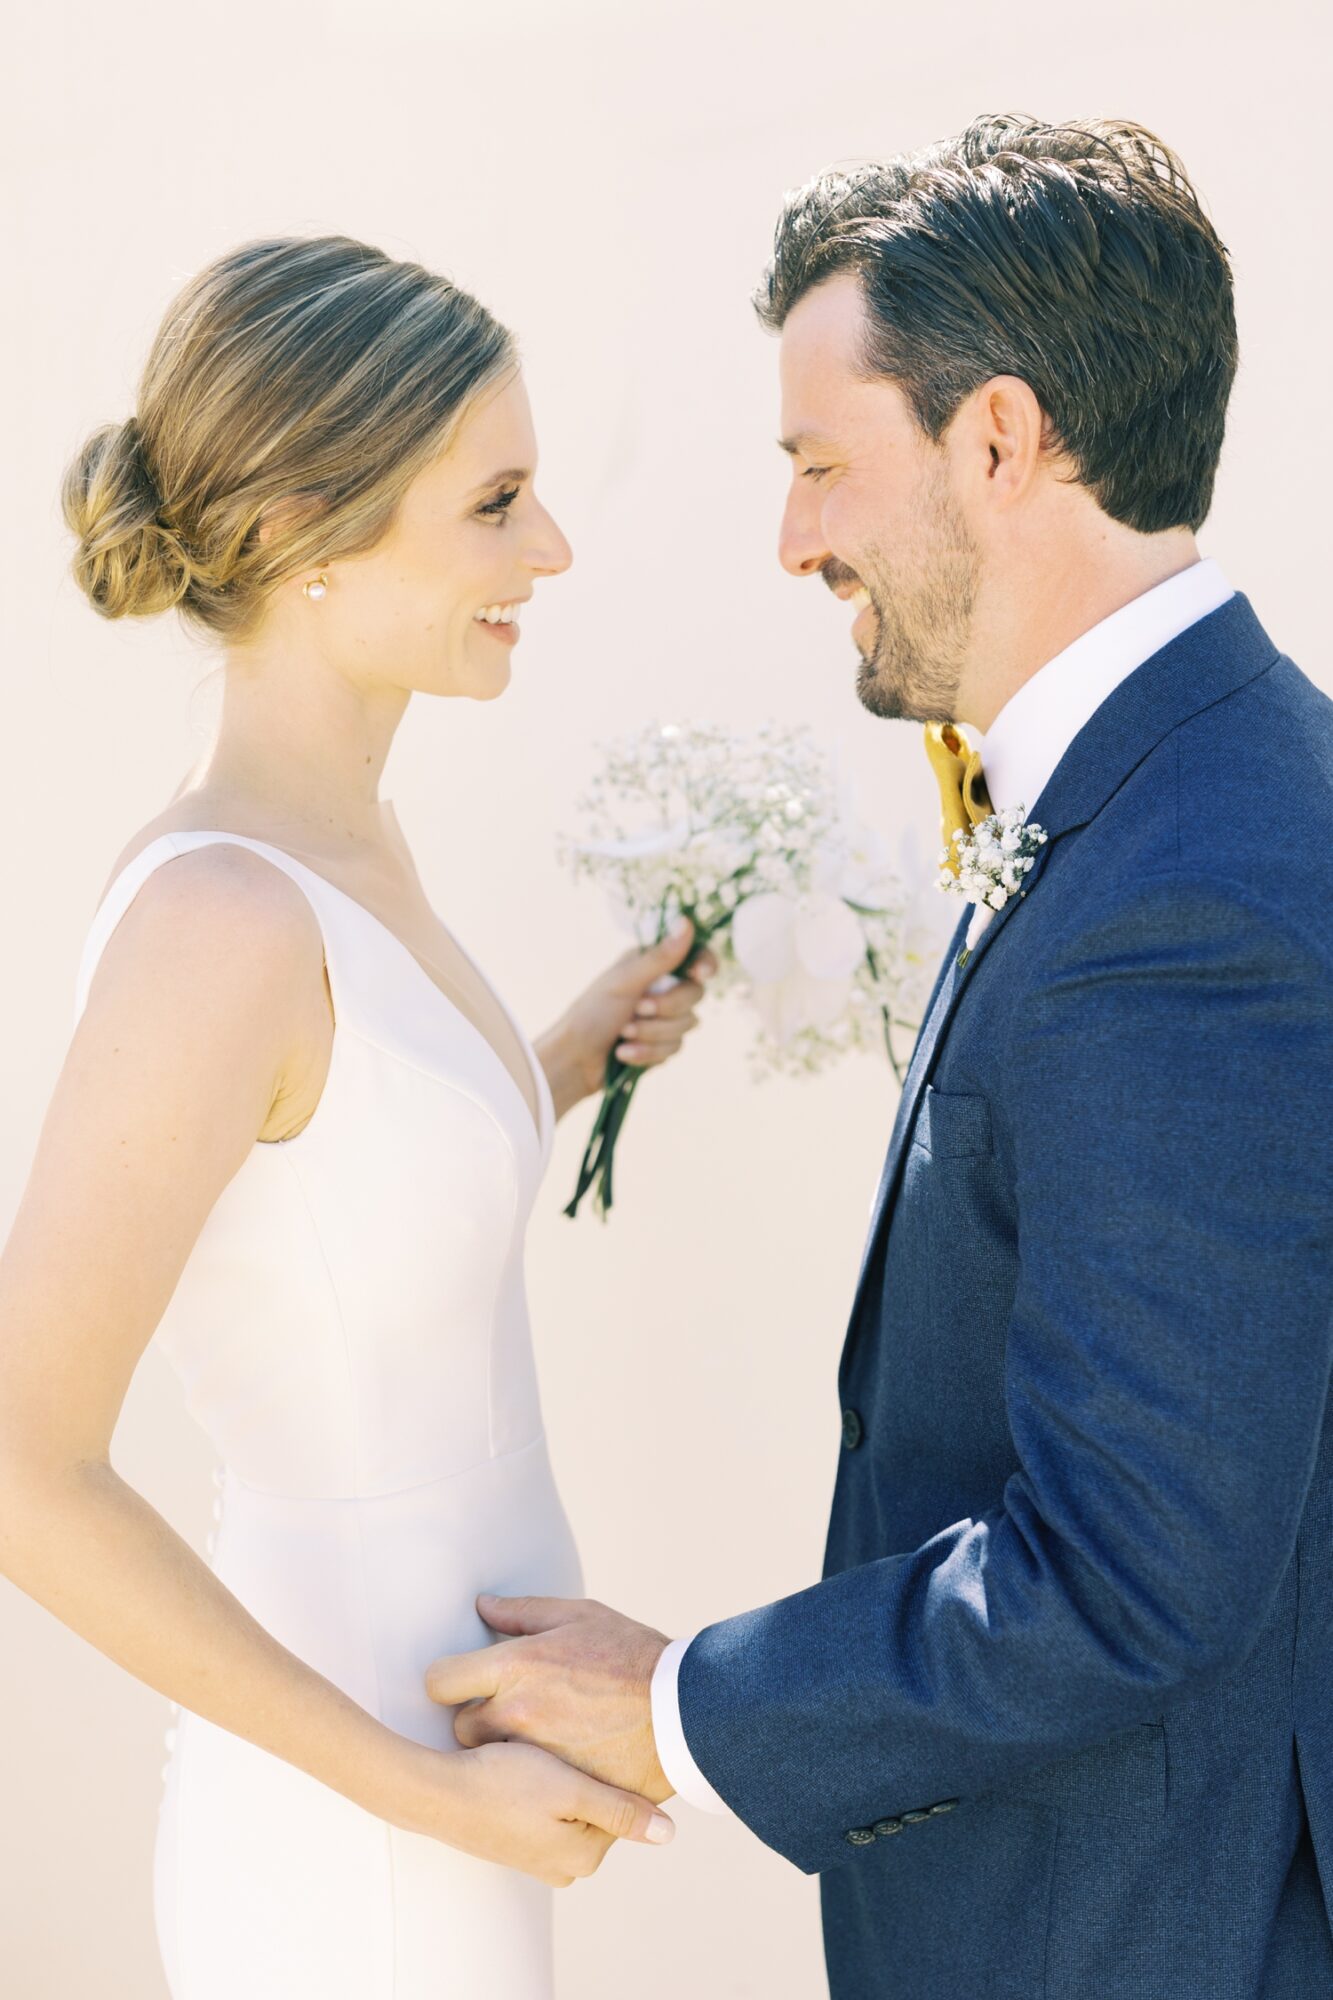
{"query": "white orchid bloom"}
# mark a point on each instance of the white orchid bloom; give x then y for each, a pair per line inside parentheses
(800, 954)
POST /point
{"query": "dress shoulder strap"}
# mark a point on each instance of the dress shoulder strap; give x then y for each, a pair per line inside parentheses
(127, 884)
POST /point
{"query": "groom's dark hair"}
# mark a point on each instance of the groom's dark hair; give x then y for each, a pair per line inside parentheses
(1074, 256)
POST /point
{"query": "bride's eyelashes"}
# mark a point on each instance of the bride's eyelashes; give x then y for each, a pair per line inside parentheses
(501, 503)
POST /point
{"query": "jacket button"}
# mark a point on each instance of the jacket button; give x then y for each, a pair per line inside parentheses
(884, 1827)
(858, 1836)
(853, 1430)
(915, 1817)
(944, 1805)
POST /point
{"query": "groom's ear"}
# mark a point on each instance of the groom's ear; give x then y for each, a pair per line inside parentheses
(1000, 442)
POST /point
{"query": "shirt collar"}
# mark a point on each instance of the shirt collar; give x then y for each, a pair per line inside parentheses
(1038, 723)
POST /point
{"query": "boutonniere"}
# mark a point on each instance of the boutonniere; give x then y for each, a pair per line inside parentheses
(986, 863)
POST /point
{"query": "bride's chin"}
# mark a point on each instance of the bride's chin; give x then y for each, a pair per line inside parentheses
(472, 681)
(490, 685)
(488, 669)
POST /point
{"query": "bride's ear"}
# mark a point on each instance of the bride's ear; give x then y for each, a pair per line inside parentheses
(284, 520)
(285, 535)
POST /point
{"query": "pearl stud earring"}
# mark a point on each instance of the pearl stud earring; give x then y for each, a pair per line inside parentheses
(317, 587)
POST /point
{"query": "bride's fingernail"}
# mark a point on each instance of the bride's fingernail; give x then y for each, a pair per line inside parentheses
(661, 1829)
(646, 1007)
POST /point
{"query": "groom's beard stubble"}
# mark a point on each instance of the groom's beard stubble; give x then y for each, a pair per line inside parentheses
(923, 620)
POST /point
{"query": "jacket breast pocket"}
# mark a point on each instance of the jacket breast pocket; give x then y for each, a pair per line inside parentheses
(951, 1125)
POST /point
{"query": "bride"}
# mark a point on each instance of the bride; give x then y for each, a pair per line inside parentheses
(297, 1136)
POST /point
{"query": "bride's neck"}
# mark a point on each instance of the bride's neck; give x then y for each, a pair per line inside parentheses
(306, 748)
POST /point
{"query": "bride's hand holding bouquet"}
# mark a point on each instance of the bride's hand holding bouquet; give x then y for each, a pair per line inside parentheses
(637, 1013)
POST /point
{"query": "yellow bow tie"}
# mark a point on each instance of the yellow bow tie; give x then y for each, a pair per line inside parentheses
(964, 800)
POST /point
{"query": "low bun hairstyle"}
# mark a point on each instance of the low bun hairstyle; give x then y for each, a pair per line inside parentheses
(129, 564)
(303, 379)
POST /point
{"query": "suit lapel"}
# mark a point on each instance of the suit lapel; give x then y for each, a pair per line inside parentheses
(948, 991)
(1207, 662)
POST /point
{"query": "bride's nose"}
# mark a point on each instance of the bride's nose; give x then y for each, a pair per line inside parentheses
(548, 552)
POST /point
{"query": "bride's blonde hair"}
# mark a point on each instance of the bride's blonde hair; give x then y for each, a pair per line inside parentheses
(310, 377)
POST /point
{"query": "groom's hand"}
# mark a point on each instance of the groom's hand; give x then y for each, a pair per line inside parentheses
(574, 1678)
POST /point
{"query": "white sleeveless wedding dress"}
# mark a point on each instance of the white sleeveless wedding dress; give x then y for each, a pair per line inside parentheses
(351, 1330)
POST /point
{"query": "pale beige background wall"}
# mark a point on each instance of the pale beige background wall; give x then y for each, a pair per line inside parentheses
(606, 177)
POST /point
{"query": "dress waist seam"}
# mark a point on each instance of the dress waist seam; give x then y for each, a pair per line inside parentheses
(230, 1476)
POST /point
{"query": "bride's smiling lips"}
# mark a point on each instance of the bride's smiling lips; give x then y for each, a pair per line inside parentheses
(501, 619)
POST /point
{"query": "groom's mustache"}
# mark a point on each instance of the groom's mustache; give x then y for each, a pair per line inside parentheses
(837, 575)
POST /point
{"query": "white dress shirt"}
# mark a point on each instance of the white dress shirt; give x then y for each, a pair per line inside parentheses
(1020, 751)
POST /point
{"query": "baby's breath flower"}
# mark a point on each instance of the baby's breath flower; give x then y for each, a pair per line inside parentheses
(990, 858)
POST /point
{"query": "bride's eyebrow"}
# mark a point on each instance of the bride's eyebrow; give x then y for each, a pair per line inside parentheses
(514, 476)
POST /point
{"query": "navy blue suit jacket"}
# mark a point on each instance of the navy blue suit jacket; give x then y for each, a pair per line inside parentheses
(1058, 1720)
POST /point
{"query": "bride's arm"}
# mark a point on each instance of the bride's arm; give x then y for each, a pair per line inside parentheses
(197, 1016)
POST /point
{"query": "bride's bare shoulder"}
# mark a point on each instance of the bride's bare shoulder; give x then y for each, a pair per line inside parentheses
(221, 932)
(224, 890)
(193, 814)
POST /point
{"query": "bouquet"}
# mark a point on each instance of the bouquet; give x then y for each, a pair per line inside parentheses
(757, 843)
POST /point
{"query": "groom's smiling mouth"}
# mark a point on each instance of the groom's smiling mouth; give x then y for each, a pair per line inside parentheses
(848, 587)
(859, 597)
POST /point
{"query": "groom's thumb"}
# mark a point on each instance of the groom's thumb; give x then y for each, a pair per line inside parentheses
(624, 1815)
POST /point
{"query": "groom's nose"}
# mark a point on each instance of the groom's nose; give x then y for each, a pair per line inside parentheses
(801, 549)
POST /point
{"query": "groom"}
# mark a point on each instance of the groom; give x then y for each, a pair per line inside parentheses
(1058, 1719)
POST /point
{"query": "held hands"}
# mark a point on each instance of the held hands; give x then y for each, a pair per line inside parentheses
(575, 1678)
(621, 1013)
(522, 1808)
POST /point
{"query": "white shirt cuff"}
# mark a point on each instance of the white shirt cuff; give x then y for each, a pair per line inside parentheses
(673, 1752)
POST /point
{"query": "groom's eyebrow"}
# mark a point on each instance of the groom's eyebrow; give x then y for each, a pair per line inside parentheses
(806, 444)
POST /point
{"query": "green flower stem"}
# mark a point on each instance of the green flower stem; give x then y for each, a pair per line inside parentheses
(886, 1016)
(618, 1087)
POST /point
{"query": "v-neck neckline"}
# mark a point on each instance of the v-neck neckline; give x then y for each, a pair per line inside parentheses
(532, 1060)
